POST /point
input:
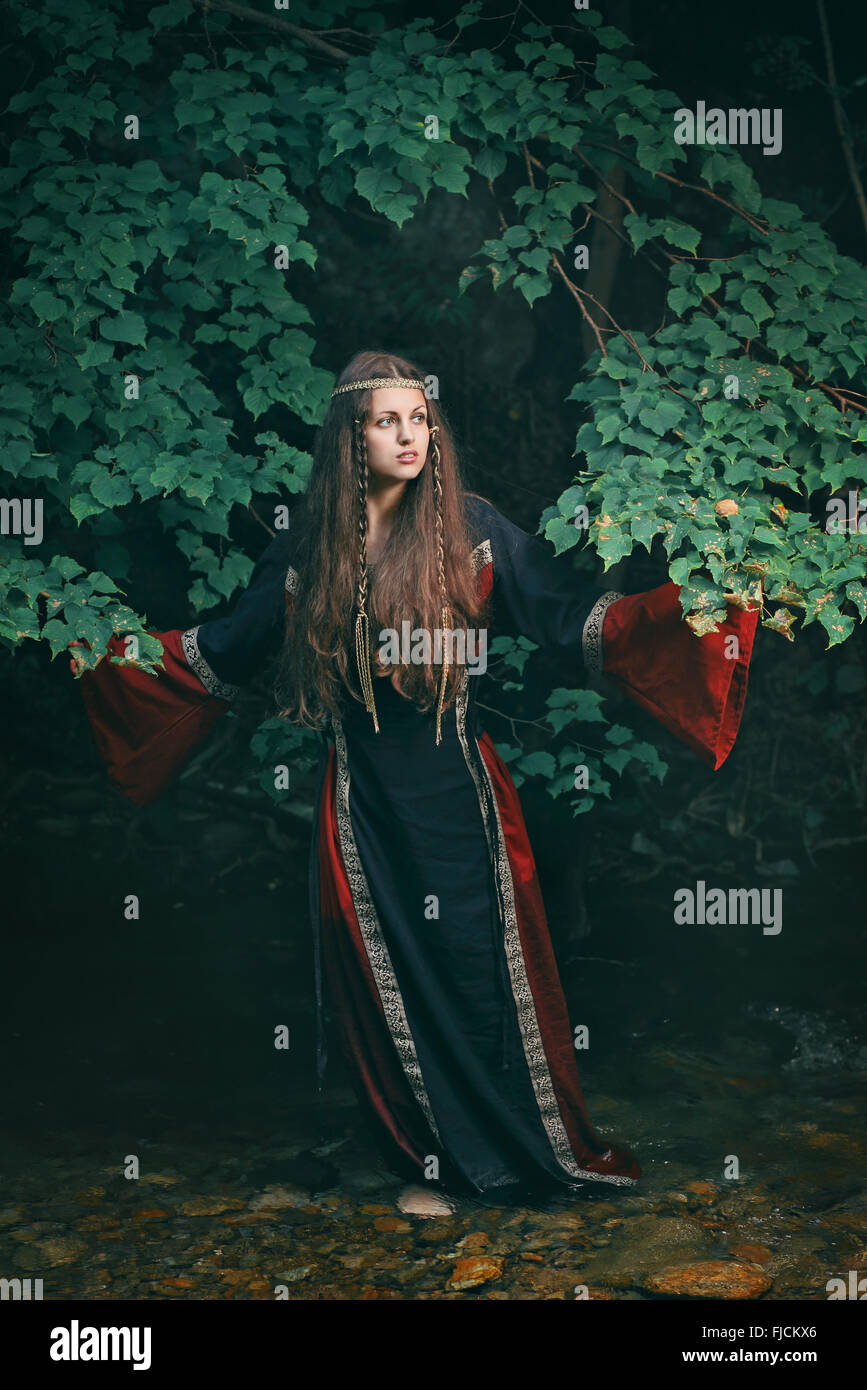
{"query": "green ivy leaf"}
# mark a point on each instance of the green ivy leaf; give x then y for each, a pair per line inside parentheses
(125, 327)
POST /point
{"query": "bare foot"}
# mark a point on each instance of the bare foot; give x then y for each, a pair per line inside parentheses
(421, 1201)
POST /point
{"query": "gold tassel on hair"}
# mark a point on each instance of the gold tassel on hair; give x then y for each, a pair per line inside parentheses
(362, 661)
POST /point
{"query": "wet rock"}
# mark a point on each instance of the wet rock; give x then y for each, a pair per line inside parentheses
(97, 1222)
(538, 1241)
(751, 1204)
(727, 1279)
(469, 1273)
(61, 1250)
(389, 1261)
(211, 1206)
(376, 1209)
(563, 1226)
(355, 1260)
(631, 1204)
(413, 1273)
(644, 1244)
(27, 1234)
(519, 1219)
(279, 1199)
(552, 1283)
(63, 1212)
(438, 1232)
(837, 1143)
(150, 1214)
(233, 1277)
(89, 1197)
(29, 1258)
(753, 1254)
(474, 1243)
(294, 1275)
(11, 1216)
(806, 1280)
(850, 1220)
(795, 1252)
(250, 1218)
(391, 1223)
(708, 1190)
(598, 1208)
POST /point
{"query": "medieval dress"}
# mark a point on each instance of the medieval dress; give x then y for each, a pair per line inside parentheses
(453, 1020)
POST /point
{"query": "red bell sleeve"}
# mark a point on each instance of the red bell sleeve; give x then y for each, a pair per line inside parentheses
(145, 727)
(694, 686)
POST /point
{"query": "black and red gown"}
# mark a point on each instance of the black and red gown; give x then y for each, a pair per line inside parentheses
(452, 1017)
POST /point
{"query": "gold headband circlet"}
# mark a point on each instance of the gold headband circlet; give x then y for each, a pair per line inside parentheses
(377, 381)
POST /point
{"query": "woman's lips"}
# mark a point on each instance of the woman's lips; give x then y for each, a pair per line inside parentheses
(407, 458)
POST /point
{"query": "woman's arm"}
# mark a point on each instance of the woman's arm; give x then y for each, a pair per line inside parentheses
(146, 728)
(536, 593)
(694, 686)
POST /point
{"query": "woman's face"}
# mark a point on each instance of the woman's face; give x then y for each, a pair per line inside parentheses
(397, 434)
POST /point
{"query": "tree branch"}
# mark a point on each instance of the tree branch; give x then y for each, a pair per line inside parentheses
(573, 289)
(280, 26)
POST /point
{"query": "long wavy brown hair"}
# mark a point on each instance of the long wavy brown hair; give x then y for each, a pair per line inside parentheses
(317, 666)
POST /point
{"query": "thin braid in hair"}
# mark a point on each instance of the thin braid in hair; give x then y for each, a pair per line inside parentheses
(445, 616)
(362, 633)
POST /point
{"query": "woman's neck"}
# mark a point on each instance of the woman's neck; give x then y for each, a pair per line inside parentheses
(382, 504)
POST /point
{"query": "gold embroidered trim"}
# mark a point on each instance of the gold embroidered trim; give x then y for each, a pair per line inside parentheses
(481, 556)
(591, 637)
(372, 936)
(199, 667)
(531, 1037)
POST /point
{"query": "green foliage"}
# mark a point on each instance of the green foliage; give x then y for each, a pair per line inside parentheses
(150, 330)
(575, 769)
(279, 743)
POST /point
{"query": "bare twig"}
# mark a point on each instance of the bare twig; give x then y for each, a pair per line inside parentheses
(839, 114)
(573, 289)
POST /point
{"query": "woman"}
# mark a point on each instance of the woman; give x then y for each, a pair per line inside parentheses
(426, 908)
